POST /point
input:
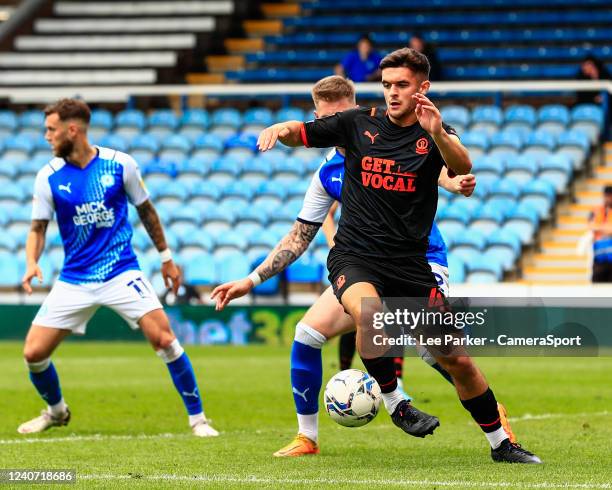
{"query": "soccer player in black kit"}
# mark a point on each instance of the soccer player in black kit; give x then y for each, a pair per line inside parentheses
(389, 196)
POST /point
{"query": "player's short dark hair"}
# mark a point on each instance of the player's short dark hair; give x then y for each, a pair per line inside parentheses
(408, 58)
(69, 109)
(333, 89)
(608, 189)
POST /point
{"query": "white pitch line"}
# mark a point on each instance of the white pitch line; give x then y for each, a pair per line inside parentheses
(544, 416)
(337, 481)
(93, 437)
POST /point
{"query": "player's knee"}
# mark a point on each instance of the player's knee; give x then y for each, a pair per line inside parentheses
(171, 351)
(305, 334)
(33, 354)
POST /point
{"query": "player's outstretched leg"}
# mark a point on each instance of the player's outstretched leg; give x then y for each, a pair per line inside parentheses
(306, 381)
(477, 398)
(156, 327)
(40, 343)
(381, 368)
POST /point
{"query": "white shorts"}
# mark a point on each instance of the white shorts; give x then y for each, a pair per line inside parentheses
(441, 274)
(71, 306)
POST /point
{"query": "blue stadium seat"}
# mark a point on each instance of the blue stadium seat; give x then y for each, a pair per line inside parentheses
(520, 116)
(231, 240)
(588, 118)
(456, 116)
(541, 139)
(198, 119)
(8, 122)
(553, 118)
(219, 219)
(197, 167)
(7, 243)
(456, 269)
(475, 140)
(207, 145)
(245, 141)
(199, 239)
(288, 167)
(11, 192)
(248, 228)
(257, 167)
(114, 141)
(9, 169)
(201, 270)
(175, 147)
(484, 270)
(540, 194)
(298, 190)
(130, 122)
(507, 140)
(11, 273)
(271, 190)
(224, 170)
(487, 219)
(557, 169)
(205, 192)
(17, 148)
(227, 117)
(453, 221)
(252, 215)
(506, 245)
(144, 147)
(162, 169)
(307, 269)
(505, 188)
(488, 169)
(575, 144)
(101, 118)
(32, 119)
(163, 122)
(231, 267)
(523, 220)
(187, 214)
(140, 239)
(292, 114)
(238, 189)
(486, 119)
(523, 169)
(260, 116)
(474, 240)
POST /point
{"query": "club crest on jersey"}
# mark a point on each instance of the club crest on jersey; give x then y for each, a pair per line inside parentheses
(422, 146)
(107, 180)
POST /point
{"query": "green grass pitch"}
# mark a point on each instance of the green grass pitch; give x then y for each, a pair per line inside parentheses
(129, 427)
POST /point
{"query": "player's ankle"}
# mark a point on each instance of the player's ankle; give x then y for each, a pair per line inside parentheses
(198, 418)
(58, 409)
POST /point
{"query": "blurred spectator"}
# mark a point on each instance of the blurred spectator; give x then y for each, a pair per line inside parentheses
(591, 68)
(601, 225)
(361, 64)
(187, 294)
(418, 44)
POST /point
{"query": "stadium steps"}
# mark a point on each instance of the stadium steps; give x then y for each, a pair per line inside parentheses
(281, 10)
(559, 259)
(222, 63)
(204, 78)
(258, 28)
(243, 46)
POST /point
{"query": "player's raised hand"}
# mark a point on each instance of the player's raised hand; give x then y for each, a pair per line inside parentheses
(428, 115)
(224, 293)
(172, 275)
(32, 271)
(269, 136)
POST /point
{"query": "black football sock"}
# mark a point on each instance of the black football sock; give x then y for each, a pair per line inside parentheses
(346, 350)
(382, 370)
(484, 411)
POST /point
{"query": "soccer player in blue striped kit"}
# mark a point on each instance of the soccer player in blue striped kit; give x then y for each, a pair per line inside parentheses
(88, 188)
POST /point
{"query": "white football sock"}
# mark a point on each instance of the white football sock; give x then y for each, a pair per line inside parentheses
(58, 409)
(392, 400)
(308, 425)
(496, 437)
(196, 419)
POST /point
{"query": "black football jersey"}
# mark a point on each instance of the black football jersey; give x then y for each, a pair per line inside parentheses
(390, 189)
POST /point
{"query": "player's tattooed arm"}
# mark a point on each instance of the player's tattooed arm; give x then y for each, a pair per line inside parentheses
(151, 222)
(288, 250)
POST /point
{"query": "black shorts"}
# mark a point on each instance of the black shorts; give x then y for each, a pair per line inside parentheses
(408, 277)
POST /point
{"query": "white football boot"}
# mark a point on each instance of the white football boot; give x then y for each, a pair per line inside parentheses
(204, 429)
(45, 421)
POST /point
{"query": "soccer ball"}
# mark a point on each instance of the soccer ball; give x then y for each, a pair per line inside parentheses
(352, 398)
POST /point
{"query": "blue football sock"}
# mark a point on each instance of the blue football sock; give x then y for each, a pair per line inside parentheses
(306, 377)
(47, 384)
(185, 382)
